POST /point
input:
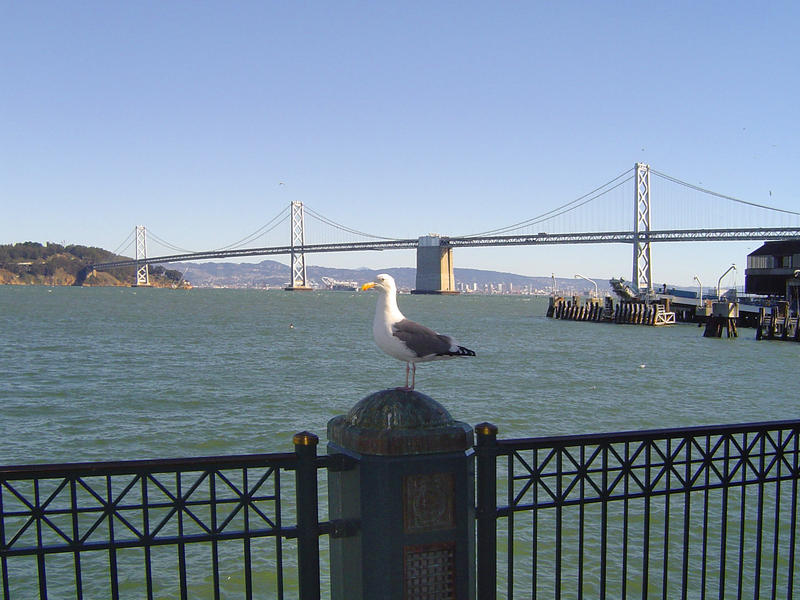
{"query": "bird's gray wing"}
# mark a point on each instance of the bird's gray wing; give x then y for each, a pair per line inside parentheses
(422, 340)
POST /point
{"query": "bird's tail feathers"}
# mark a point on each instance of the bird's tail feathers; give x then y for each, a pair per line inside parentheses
(461, 351)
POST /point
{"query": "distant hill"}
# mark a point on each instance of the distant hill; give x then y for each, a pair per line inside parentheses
(273, 274)
(32, 263)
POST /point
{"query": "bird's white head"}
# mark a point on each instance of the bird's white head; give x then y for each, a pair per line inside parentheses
(383, 282)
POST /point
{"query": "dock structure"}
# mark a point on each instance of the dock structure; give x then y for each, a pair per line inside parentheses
(778, 323)
(634, 312)
(721, 313)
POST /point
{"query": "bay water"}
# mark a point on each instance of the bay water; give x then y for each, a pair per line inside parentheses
(92, 374)
(129, 373)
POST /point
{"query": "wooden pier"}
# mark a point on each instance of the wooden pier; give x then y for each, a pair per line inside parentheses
(723, 317)
(778, 324)
(606, 310)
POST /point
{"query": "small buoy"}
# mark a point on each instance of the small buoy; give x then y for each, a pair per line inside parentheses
(291, 325)
(642, 366)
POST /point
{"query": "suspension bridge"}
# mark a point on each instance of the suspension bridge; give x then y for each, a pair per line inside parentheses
(593, 218)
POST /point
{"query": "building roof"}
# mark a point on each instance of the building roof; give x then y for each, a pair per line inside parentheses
(779, 248)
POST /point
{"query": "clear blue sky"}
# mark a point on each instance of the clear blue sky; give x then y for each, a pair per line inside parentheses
(202, 120)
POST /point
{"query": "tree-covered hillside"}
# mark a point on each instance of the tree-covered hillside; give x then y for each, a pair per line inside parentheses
(55, 264)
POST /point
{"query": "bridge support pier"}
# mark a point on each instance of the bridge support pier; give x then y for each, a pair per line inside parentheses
(434, 267)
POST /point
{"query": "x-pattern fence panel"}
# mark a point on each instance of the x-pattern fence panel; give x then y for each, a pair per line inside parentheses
(693, 513)
(193, 528)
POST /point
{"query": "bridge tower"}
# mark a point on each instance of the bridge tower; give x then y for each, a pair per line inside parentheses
(299, 278)
(642, 273)
(142, 269)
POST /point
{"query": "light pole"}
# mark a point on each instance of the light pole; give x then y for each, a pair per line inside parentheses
(697, 279)
(590, 281)
(719, 281)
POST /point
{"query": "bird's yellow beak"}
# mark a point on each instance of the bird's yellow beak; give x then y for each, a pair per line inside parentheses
(367, 286)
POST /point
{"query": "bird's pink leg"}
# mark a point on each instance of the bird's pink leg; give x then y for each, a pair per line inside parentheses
(406, 388)
(413, 375)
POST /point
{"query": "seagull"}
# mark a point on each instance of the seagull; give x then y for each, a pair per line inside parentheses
(404, 339)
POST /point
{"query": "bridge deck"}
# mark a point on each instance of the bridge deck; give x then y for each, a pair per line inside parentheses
(608, 237)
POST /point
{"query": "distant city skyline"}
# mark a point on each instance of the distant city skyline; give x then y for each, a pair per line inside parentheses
(271, 273)
(202, 121)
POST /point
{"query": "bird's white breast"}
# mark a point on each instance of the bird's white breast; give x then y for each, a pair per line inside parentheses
(385, 316)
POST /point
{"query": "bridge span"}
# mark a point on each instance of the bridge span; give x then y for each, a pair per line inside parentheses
(435, 252)
(445, 245)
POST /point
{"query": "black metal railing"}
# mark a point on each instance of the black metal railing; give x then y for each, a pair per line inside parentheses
(200, 527)
(703, 512)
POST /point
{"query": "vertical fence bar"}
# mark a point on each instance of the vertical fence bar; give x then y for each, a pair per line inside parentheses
(279, 523)
(305, 447)
(246, 546)
(581, 527)
(112, 551)
(181, 544)
(648, 466)
(743, 465)
(793, 512)
(212, 502)
(3, 558)
(603, 524)
(723, 544)
(626, 483)
(559, 519)
(535, 537)
(486, 511)
(40, 552)
(148, 554)
(73, 500)
(777, 522)
(760, 512)
(667, 497)
(510, 536)
(704, 542)
(687, 511)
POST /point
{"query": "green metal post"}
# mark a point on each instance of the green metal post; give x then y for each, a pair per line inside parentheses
(486, 510)
(305, 447)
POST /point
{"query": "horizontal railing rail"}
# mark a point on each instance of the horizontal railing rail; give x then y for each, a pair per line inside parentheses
(671, 513)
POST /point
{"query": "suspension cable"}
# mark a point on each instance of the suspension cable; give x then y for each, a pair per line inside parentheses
(564, 208)
(718, 195)
(166, 244)
(328, 221)
(260, 231)
(124, 245)
(257, 233)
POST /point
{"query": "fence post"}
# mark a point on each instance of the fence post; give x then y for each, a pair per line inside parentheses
(486, 510)
(305, 447)
(412, 496)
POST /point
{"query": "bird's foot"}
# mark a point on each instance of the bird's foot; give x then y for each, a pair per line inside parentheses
(404, 389)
